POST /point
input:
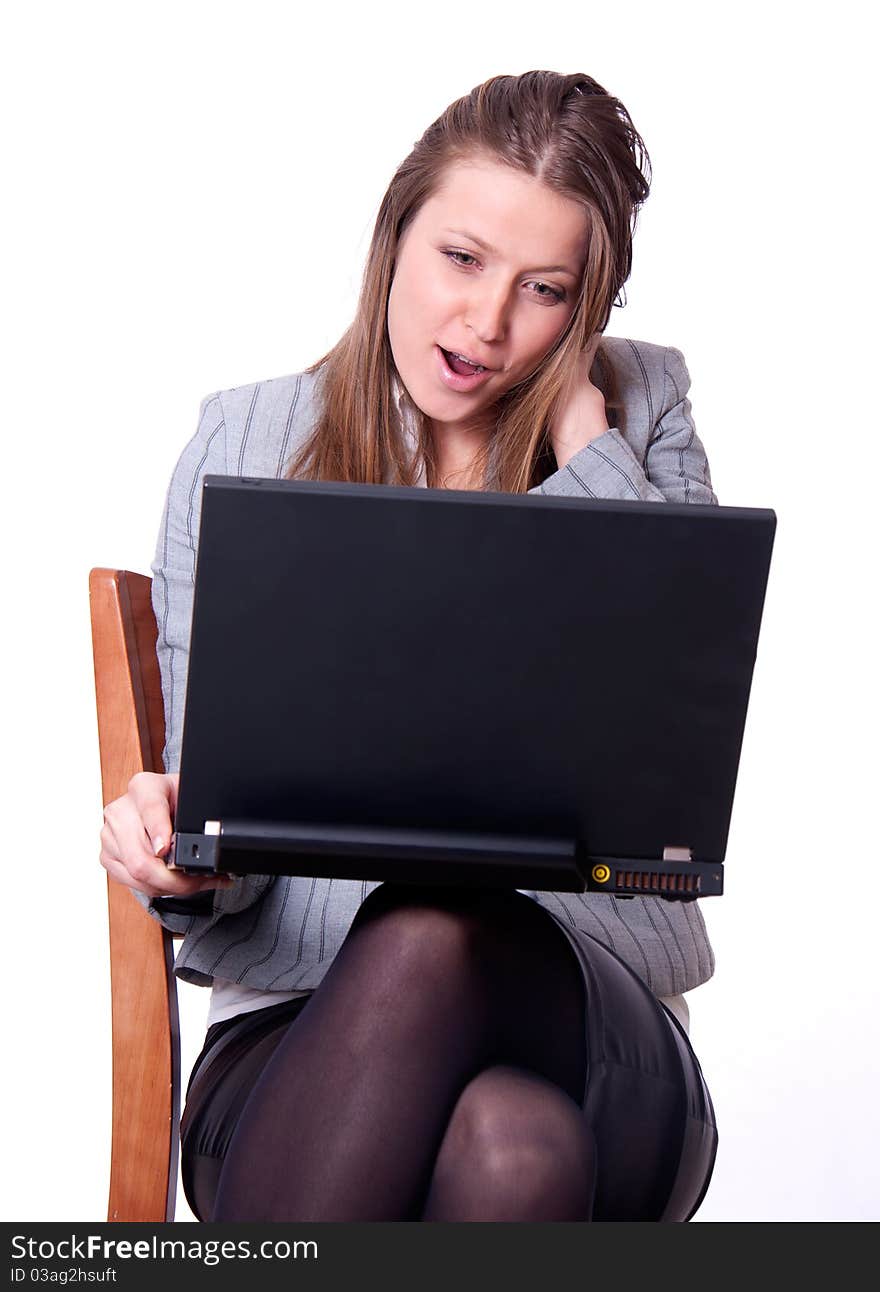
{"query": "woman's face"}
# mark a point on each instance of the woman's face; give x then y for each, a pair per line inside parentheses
(488, 271)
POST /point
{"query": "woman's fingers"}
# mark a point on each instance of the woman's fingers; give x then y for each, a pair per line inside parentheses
(590, 352)
(139, 869)
(171, 883)
(580, 416)
(155, 799)
(137, 834)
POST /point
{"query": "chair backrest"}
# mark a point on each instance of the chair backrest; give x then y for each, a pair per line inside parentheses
(145, 1034)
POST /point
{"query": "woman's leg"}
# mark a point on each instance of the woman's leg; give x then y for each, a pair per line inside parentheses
(516, 1148)
(387, 1066)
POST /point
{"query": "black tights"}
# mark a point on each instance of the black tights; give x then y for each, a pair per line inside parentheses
(438, 1073)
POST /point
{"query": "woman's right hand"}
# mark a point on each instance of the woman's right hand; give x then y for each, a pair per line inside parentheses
(137, 835)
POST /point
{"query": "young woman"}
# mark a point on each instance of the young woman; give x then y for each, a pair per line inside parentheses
(377, 1052)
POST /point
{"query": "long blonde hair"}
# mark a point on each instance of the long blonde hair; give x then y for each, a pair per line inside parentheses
(566, 131)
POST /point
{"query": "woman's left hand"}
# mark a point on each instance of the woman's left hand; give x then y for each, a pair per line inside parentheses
(581, 415)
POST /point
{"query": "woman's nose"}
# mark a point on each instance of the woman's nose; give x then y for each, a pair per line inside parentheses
(486, 313)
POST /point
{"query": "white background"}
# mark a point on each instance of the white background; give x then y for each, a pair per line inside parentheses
(189, 193)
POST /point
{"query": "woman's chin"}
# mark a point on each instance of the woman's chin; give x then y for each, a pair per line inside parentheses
(439, 407)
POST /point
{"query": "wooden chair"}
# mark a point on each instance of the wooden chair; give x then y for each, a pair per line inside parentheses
(145, 1034)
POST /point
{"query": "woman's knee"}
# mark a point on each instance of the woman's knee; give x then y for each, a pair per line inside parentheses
(423, 929)
(517, 1139)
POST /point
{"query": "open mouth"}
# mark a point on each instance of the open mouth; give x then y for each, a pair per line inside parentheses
(458, 363)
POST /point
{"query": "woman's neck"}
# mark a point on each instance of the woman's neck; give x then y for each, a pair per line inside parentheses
(456, 451)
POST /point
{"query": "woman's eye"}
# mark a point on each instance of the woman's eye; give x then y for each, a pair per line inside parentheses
(459, 258)
(547, 293)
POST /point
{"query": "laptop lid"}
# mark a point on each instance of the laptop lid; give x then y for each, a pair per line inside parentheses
(476, 665)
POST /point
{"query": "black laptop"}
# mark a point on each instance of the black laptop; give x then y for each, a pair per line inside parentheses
(470, 688)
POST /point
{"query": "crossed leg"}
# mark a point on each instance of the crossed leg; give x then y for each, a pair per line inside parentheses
(436, 1073)
(516, 1148)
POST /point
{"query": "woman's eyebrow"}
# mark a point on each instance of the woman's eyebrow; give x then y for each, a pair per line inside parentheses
(493, 251)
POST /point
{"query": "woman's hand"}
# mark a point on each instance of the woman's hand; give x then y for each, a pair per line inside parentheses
(580, 417)
(137, 835)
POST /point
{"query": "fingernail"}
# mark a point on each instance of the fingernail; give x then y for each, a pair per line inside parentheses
(158, 845)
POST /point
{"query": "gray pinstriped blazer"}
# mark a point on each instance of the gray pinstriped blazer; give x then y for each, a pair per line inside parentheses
(281, 933)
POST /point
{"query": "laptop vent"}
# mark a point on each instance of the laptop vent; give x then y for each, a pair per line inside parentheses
(652, 881)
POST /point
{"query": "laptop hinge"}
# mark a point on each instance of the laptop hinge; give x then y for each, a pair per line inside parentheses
(383, 853)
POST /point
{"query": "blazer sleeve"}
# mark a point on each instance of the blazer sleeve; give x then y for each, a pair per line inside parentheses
(675, 467)
(173, 589)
